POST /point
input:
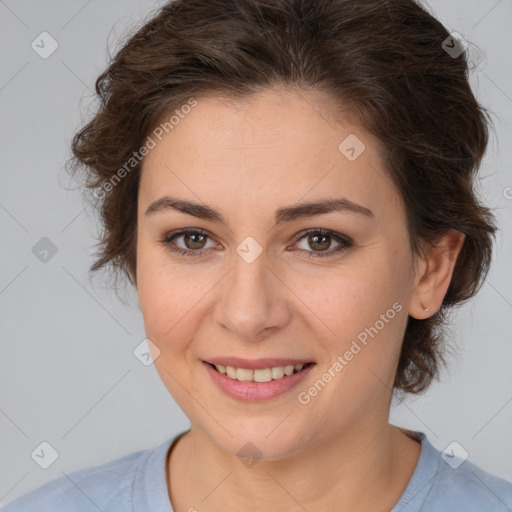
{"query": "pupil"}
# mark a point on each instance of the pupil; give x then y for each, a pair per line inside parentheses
(193, 235)
(324, 237)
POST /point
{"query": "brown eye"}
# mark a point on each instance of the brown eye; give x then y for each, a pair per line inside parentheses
(193, 240)
(320, 240)
(317, 239)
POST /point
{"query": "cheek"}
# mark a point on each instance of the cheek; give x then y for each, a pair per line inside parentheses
(351, 296)
(358, 319)
(172, 298)
(358, 311)
(170, 301)
(160, 298)
(167, 306)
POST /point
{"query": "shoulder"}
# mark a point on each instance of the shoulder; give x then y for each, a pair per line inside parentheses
(468, 487)
(446, 481)
(103, 487)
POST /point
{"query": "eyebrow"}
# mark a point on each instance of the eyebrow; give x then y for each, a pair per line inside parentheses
(285, 214)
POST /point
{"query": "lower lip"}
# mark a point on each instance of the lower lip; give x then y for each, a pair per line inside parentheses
(256, 391)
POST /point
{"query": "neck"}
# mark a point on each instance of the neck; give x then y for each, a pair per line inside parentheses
(362, 469)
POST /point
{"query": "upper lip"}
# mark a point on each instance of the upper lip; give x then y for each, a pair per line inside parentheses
(265, 362)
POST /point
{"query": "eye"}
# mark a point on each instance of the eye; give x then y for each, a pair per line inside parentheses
(192, 237)
(322, 239)
(195, 239)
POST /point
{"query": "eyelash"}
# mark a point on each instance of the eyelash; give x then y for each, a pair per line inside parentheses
(345, 242)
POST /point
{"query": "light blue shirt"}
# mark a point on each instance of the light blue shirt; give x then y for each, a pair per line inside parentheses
(137, 483)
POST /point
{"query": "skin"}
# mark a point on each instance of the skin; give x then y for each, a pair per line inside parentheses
(246, 159)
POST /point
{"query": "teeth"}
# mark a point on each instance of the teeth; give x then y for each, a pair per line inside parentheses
(288, 370)
(262, 375)
(244, 374)
(277, 372)
(259, 375)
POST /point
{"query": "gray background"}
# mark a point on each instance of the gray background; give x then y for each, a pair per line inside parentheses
(68, 374)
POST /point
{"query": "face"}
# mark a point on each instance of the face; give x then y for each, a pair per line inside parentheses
(329, 287)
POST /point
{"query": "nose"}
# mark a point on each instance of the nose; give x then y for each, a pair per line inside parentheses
(252, 301)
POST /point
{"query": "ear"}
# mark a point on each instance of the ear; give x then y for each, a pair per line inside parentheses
(434, 273)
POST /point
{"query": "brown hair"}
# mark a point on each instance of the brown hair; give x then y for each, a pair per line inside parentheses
(383, 62)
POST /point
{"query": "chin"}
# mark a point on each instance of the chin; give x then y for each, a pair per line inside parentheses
(258, 440)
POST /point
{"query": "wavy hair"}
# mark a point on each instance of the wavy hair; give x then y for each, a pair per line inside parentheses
(384, 62)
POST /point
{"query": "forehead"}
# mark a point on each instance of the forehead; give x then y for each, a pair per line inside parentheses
(276, 145)
(284, 117)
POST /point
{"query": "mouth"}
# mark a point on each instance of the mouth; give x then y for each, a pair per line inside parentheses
(260, 374)
(257, 380)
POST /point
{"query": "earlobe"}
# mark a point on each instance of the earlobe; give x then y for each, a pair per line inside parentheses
(436, 274)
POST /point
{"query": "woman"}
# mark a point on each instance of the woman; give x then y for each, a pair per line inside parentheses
(289, 187)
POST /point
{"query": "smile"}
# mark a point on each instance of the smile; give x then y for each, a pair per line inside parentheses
(260, 374)
(257, 384)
